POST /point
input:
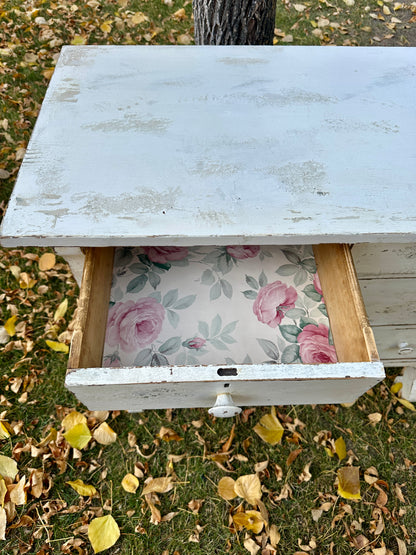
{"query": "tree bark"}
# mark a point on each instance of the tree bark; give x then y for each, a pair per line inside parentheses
(234, 21)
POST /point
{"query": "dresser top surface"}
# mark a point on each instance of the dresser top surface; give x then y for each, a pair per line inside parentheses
(221, 145)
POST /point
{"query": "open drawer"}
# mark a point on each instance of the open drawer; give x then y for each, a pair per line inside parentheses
(305, 363)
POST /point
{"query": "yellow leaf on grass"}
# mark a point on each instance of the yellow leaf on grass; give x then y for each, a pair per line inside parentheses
(158, 485)
(130, 483)
(4, 432)
(72, 419)
(3, 491)
(249, 488)
(8, 467)
(57, 346)
(47, 261)
(25, 281)
(167, 434)
(106, 26)
(9, 326)
(103, 532)
(396, 387)
(139, 17)
(406, 404)
(78, 436)
(269, 428)
(349, 482)
(78, 39)
(226, 488)
(61, 310)
(340, 448)
(104, 434)
(250, 520)
(81, 488)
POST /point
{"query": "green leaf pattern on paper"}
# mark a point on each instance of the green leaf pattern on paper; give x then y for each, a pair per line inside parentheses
(215, 305)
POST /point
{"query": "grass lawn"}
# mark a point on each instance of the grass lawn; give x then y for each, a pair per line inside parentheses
(170, 502)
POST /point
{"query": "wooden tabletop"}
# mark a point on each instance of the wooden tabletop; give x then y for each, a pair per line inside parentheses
(192, 145)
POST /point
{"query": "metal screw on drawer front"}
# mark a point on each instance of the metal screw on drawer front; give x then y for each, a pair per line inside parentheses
(404, 348)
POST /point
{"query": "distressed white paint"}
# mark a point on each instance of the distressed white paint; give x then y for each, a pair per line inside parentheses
(390, 301)
(396, 345)
(140, 145)
(385, 259)
(181, 387)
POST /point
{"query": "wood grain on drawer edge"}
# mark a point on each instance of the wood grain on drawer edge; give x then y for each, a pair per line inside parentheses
(90, 322)
(353, 337)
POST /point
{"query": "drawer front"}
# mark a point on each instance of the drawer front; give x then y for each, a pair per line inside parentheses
(396, 344)
(134, 388)
(385, 260)
(390, 301)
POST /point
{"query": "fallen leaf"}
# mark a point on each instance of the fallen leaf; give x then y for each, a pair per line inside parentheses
(371, 475)
(401, 546)
(78, 39)
(138, 17)
(26, 282)
(81, 488)
(305, 476)
(4, 432)
(47, 261)
(269, 428)
(61, 310)
(274, 535)
(375, 418)
(293, 455)
(399, 493)
(3, 491)
(3, 523)
(179, 15)
(167, 434)
(105, 26)
(251, 546)
(340, 448)
(158, 485)
(9, 326)
(249, 488)
(130, 483)
(17, 492)
(78, 436)
(8, 467)
(226, 488)
(299, 7)
(349, 482)
(72, 419)
(407, 404)
(250, 520)
(57, 346)
(104, 434)
(103, 532)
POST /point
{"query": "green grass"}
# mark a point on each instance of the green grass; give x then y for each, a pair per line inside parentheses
(59, 514)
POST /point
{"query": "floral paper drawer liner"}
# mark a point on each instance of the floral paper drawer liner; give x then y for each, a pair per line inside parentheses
(216, 305)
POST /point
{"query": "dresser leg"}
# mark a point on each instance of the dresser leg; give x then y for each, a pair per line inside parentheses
(408, 379)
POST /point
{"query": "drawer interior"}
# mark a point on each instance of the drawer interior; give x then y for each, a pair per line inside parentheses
(233, 279)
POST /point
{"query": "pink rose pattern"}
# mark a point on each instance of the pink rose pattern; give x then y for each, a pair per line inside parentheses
(154, 318)
(162, 255)
(314, 346)
(240, 252)
(272, 301)
(134, 324)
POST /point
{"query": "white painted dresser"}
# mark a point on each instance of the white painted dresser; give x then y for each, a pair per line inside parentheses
(185, 146)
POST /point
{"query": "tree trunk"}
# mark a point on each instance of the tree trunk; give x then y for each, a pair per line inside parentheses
(234, 21)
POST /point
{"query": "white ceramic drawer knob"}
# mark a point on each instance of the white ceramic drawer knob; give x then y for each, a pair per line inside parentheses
(224, 407)
(404, 348)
